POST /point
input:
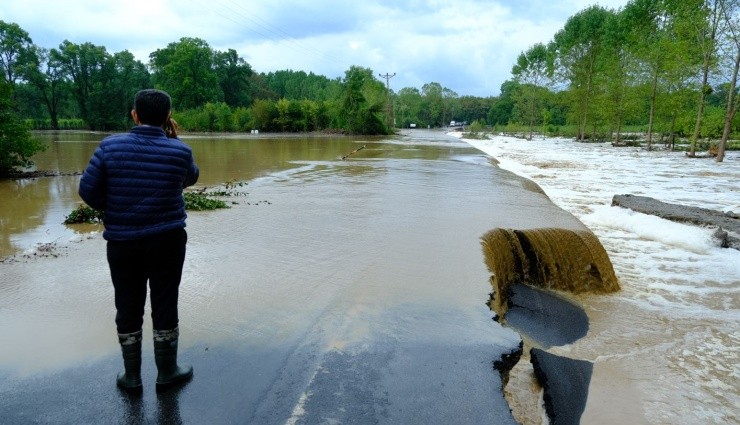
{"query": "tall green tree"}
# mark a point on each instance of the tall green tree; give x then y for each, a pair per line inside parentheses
(234, 78)
(408, 107)
(532, 70)
(731, 16)
(450, 105)
(362, 102)
(186, 70)
(662, 42)
(618, 101)
(83, 65)
(577, 48)
(473, 108)
(706, 30)
(502, 110)
(47, 75)
(111, 100)
(433, 104)
(15, 51)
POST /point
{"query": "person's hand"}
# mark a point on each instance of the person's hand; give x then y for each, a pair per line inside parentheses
(171, 128)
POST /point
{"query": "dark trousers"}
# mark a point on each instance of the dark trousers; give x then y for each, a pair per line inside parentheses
(158, 260)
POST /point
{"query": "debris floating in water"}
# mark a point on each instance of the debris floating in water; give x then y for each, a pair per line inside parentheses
(353, 152)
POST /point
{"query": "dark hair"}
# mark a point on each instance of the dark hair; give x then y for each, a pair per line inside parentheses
(152, 106)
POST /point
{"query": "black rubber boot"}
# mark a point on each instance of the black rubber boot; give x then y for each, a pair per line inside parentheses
(130, 379)
(170, 374)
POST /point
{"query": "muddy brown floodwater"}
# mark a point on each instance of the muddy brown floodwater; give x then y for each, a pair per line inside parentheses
(336, 256)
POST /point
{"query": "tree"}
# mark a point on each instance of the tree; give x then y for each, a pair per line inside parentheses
(433, 104)
(617, 102)
(115, 87)
(473, 108)
(450, 105)
(233, 75)
(15, 51)
(263, 114)
(47, 76)
(502, 109)
(706, 31)
(730, 12)
(576, 49)
(362, 103)
(531, 70)
(186, 70)
(103, 84)
(129, 75)
(661, 40)
(408, 106)
(82, 64)
(16, 144)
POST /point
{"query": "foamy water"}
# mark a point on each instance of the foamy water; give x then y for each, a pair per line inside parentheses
(679, 303)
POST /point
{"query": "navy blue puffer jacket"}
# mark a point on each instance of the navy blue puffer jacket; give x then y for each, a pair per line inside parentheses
(137, 179)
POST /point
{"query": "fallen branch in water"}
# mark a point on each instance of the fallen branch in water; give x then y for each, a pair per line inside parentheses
(353, 152)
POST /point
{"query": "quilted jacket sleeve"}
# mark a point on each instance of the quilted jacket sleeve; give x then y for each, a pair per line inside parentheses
(193, 173)
(92, 183)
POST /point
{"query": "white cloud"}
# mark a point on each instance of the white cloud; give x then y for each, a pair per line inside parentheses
(468, 46)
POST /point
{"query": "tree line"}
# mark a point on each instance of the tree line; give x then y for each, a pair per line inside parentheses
(665, 68)
(84, 85)
(670, 66)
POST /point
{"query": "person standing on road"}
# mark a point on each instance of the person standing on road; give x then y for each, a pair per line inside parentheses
(137, 180)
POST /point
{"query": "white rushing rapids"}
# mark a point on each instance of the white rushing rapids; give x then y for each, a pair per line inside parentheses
(679, 305)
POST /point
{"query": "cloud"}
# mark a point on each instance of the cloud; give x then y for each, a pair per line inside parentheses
(468, 46)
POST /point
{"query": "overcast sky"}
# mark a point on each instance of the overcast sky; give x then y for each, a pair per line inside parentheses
(468, 46)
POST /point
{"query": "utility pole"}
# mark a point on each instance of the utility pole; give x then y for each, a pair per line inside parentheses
(388, 115)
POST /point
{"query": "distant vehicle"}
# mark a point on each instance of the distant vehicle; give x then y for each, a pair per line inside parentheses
(452, 123)
(412, 125)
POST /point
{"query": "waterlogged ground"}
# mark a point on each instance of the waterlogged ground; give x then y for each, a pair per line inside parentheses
(332, 291)
(667, 346)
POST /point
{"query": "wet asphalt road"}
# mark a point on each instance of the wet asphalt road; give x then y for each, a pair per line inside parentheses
(395, 383)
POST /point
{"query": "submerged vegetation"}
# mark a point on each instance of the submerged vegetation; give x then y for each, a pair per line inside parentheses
(195, 200)
(199, 202)
(84, 214)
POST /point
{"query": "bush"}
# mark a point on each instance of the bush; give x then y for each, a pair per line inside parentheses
(477, 127)
(16, 144)
(84, 214)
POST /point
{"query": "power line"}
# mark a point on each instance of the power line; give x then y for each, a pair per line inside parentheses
(265, 30)
(388, 105)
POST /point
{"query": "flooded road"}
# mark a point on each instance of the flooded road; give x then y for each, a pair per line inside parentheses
(331, 291)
